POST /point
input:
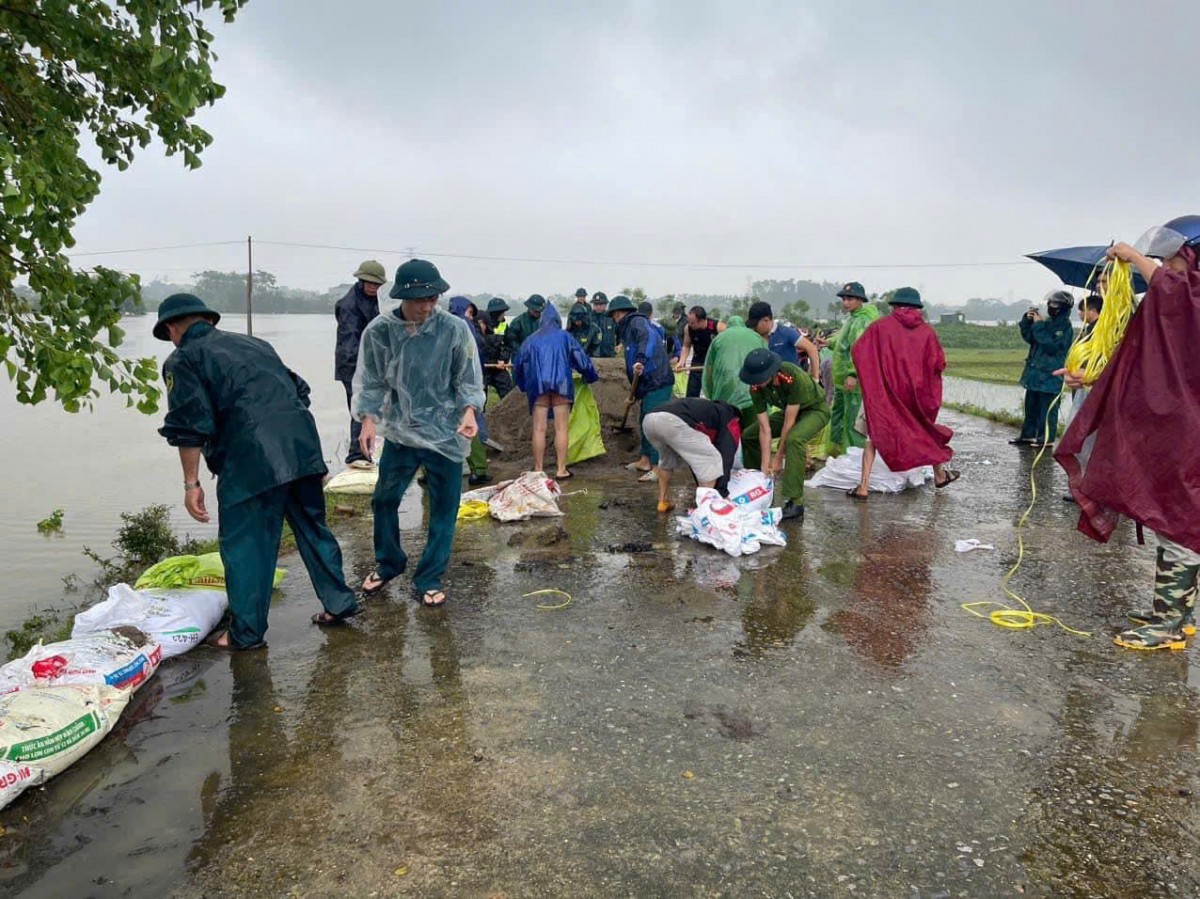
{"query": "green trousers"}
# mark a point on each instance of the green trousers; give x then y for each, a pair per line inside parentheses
(477, 461)
(809, 423)
(846, 404)
(249, 532)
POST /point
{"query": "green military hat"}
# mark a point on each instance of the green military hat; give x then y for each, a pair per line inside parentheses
(581, 293)
(906, 296)
(854, 290)
(495, 304)
(180, 305)
(620, 304)
(417, 279)
(370, 270)
(760, 366)
(535, 303)
(599, 298)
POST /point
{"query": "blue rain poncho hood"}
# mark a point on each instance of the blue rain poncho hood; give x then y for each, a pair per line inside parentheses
(416, 382)
(546, 359)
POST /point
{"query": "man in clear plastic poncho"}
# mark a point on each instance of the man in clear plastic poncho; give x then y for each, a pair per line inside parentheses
(723, 365)
(419, 384)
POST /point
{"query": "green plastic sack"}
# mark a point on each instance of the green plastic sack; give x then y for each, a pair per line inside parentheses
(583, 428)
(190, 571)
(680, 388)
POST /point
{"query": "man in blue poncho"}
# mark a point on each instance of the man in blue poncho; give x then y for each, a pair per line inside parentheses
(648, 369)
(418, 384)
(542, 370)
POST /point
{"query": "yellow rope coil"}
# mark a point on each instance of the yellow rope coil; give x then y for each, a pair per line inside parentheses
(561, 605)
(1024, 617)
(1090, 354)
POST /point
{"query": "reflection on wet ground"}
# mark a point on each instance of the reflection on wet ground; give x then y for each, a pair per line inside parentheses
(817, 720)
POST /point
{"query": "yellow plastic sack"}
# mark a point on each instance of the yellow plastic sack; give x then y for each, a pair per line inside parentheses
(680, 388)
(472, 510)
(583, 429)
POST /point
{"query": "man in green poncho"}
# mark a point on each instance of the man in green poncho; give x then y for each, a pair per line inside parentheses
(231, 399)
(847, 396)
(721, 379)
(523, 326)
(582, 328)
(603, 321)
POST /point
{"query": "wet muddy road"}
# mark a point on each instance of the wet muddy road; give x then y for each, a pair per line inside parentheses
(820, 720)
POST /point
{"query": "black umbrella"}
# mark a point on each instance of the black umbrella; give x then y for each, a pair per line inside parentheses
(1080, 266)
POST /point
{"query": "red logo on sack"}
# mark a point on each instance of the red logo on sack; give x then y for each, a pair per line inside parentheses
(49, 667)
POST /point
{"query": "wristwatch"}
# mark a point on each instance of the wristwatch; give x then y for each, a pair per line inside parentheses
(191, 485)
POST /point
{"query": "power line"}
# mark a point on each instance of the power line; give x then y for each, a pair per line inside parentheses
(620, 264)
(537, 260)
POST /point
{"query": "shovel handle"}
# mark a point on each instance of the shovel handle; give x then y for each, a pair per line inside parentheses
(631, 400)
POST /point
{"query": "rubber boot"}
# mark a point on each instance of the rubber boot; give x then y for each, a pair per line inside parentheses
(1164, 580)
(1174, 609)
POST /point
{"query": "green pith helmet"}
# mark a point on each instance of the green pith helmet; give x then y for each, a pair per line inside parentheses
(495, 304)
(372, 271)
(760, 366)
(417, 279)
(854, 290)
(621, 304)
(179, 305)
(906, 296)
(535, 303)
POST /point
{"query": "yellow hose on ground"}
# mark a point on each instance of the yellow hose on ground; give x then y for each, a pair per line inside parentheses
(1024, 617)
(1090, 354)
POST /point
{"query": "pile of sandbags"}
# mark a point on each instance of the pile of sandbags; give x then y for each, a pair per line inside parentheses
(61, 699)
(845, 472)
(739, 525)
(532, 495)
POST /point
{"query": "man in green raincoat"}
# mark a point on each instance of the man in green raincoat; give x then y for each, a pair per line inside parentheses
(721, 380)
(602, 320)
(847, 396)
(582, 328)
(231, 399)
(523, 326)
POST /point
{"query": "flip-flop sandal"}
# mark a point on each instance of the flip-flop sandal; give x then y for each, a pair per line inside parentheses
(378, 588)
(229, 646)
(563, 477)
(648, 477)
(425, 599)
(951, 477)
(854, 494)
(324, 619)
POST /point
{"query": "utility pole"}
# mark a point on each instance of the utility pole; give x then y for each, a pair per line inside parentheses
(249, 286)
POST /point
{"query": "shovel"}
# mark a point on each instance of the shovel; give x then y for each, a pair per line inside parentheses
(629, 403)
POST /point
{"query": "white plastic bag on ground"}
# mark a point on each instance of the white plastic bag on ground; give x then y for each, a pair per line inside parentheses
(16, 778)
(53, 727)
(751, 489)
(178, 618)
(532, 494)
(353, 480)
(729, 527)
(123, 659)
(845, 472)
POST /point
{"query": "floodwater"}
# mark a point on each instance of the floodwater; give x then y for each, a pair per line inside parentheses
(817, 720)
(94, 466)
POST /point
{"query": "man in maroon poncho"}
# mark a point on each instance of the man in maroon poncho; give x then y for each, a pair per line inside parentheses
(900, 364)
(1141, 423)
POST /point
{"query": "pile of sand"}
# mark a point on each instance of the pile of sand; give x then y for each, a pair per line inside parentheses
(510, 424)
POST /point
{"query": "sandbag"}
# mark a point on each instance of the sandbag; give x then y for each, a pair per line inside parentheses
(751, 490)
(736, 530)
(354, 480)
(532, 494)
(206, 570)
(584, 440)
(845, 472)
(16, 778)
(123, 658)
(53, 727)
(177, 618)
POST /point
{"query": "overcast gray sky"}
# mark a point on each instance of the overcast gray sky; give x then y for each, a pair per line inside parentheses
(742, 134)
